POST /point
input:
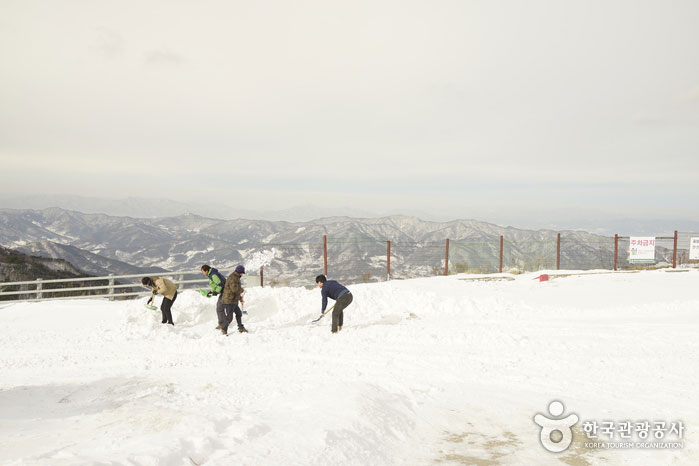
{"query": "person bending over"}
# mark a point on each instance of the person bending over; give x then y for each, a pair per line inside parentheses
(168, 289)
(341, 295)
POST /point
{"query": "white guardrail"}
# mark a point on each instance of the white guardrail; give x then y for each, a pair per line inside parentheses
(40, 289)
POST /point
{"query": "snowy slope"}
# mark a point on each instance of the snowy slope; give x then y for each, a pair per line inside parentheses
(443, 370)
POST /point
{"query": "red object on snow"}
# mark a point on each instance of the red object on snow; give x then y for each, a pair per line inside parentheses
(542, 278)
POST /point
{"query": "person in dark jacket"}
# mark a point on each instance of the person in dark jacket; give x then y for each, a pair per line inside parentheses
(168, 289)
(232, 294)
(341, 295)
(216, 283)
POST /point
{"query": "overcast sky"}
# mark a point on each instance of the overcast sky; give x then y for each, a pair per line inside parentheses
(469, 109)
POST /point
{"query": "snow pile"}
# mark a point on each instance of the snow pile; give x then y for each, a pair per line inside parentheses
(443, 370)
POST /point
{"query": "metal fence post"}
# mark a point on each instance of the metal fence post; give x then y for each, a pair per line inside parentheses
(388, 260)
(181, 279)
(501, 244)
(111, 286)
(325, 255)
(262, 275)
(446, 260)
(616, 249)
(674, 253)
(39, 287)
(558, 252)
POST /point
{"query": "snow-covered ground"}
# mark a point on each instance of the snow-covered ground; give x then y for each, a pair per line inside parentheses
(443, 370)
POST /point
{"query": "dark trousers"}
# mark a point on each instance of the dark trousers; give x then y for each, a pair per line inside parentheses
(165, 309)
(341, 303)
(229, 310)
(219, 310)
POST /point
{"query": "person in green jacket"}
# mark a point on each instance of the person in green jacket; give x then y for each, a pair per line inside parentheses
(216, 283)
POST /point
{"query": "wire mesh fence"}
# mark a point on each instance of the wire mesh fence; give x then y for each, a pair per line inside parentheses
(688, 249)
(357, 260)
(414, 259)
(474, 256)
(529, 255)
(364, 260)
(577, 254)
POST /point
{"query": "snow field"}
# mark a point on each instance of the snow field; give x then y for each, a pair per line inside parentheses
(443, 370)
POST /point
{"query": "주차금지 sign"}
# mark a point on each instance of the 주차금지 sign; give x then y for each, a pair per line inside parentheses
(642, 249)
(693, 249)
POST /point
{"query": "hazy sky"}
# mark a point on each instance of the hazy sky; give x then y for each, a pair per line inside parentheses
(471, 109)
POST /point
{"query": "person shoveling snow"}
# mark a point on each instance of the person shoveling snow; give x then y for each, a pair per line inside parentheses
(166, 288)
(341, 295)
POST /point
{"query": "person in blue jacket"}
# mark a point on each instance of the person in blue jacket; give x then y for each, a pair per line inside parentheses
(341, 295)
(216, 283)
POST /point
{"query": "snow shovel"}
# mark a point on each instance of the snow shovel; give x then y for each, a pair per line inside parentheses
(205, 293)
(148, 305)
(323, 314)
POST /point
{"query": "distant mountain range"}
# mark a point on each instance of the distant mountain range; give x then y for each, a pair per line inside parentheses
(292, 252)
(152, 207)
(589, 220)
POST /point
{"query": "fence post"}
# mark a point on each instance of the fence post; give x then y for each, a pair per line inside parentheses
(558, 252)
(181, 279)
(325, 255)
(446, 260)
(616, 249)
(111, 286)
(39, 287)
(501, 244)
(388, 259)
(262, 275)
(674, 253)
